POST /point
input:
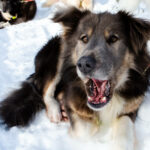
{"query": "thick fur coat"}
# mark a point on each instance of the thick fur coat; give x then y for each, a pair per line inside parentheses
(99, 67)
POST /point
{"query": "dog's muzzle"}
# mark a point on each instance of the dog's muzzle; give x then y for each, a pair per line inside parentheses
(98, 91)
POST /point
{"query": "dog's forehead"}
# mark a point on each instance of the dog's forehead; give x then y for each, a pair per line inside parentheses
(89, 20)
(108, 19)
(101, 22)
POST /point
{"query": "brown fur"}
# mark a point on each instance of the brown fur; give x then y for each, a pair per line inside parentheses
(126, 98)
(109, 48)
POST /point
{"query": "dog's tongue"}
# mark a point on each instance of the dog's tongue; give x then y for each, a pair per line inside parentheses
(98, 92)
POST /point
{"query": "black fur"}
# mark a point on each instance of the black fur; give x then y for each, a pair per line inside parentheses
(132, 30)
(21, 105)
(135, 86)
(46, 63)
(137, 31)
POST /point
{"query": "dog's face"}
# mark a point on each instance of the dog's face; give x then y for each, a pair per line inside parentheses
(102, 50)
(9, 8)
(100, 46)
(100, 53)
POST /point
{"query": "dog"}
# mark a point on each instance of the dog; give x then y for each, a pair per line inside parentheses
(16, 11)
(82, 4)
(99, 67)
(132, 5)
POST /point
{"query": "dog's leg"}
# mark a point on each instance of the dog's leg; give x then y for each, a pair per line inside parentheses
(52, 106)
(6, 16)
(4, 24)
(123, 134)
(48, 64)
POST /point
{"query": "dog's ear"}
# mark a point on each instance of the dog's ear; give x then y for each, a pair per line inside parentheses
(137, 30)
(70, 18)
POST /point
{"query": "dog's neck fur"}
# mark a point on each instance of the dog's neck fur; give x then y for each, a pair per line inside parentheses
(112, 111)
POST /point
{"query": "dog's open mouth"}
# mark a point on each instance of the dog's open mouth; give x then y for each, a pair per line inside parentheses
(98, 92)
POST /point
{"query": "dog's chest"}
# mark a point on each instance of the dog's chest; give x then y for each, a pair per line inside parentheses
(107, 117)
(109, 113)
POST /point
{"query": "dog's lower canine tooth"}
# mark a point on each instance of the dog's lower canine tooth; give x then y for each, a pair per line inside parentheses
(103, 100)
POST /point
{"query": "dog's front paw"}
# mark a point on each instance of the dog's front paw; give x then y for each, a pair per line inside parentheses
(4, 24)
(53, 111)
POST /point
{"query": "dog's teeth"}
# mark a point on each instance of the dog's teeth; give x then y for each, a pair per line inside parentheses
(89, 98)
(103, 100)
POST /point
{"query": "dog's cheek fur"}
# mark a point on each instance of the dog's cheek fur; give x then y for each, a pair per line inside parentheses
(137, 31)
(135, 86)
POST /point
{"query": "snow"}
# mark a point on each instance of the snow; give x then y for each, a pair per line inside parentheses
(19, 45)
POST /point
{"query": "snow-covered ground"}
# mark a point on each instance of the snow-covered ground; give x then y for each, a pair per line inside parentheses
(18, 46)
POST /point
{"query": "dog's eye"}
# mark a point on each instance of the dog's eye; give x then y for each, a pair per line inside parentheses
(113, 39)
(84, 38)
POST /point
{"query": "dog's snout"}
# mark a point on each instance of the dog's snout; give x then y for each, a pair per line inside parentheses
(86, 64)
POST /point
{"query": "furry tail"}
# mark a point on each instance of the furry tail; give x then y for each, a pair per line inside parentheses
(19, 108)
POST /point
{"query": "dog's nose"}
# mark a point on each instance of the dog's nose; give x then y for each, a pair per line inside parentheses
(86, 64)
